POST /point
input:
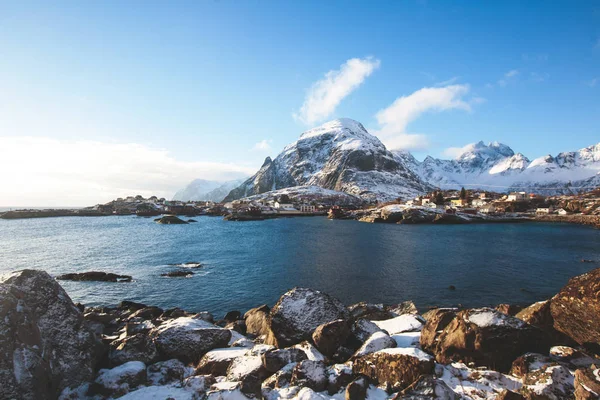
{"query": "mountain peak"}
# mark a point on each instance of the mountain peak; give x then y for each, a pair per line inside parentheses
(337, 125)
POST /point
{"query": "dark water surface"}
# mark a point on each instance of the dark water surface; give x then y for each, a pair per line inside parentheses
(251, 263)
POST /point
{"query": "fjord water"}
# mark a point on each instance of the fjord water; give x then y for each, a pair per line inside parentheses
(251, 263)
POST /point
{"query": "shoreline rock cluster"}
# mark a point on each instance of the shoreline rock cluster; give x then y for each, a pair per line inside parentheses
(308, 346)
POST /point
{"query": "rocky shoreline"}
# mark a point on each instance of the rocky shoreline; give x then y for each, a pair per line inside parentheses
(308, 346)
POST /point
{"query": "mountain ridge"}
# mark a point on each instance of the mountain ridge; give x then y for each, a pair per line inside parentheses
(342, 155)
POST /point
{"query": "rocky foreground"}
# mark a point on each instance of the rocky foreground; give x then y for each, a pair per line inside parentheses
(308, 346)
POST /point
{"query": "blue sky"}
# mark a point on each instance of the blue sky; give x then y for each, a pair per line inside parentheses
(199, 84)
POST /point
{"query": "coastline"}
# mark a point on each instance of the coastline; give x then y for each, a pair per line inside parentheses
(361, 351)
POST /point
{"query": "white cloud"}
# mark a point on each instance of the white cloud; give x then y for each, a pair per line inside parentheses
(454, 152)
(508, 76)
(263, 145)
(448, 81)
(592, 82)
(49, 172)
(394, 119)
(325, 95)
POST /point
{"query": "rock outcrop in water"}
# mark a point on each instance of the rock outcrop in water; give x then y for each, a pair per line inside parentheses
(320, 349)
(95, 276)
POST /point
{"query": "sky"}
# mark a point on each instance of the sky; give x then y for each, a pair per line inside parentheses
(110, 98)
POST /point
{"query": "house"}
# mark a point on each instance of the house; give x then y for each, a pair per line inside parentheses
(426, 202)
(459, 202)
(307, 208)
(478, 202)
(544, 210)
(562, 211)
(484, 196)
(488, 209)
(471, 211)
(283, 205)
(517, 196)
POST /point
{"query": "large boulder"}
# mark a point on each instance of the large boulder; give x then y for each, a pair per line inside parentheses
(188, 339)
(427, 387)
(274, 360)
(311, 374)
(115, 382)
(257, 320)
(329, 337)
(396, 369)
(539, 314)
(217, 361)
(298, 313)
(378, 341)
(45, 344)
(576, 310)
(132, 348)
(437, 320)
(249, 372)
(485, 337)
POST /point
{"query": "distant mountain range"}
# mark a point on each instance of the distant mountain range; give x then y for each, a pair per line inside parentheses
(205, 190)
(341, 155)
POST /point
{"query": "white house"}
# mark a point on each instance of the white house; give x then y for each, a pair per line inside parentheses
(517, 196)
(284, 206)
(544, 210)
(562, 211)
(478, 202)
(488, 209)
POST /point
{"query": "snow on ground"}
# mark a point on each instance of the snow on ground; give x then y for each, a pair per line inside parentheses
(485, 317)
(408, 351)
(403, 323)
(311, 351)
(407, 339)
(475, 384)
(159, 393)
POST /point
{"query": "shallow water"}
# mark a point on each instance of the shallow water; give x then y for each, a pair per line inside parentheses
(251, 263)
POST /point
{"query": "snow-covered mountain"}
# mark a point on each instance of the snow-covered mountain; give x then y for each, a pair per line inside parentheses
(497, 167)
(341, 155)
(338, 155)
(205, 190)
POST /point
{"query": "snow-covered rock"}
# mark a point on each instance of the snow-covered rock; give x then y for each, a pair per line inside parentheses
(45, 345)
(298, 313)
(377, 341)
(119, 380)
(138, 347)
(483, 336)
(188, 339)
(403, 323)
(217, 361)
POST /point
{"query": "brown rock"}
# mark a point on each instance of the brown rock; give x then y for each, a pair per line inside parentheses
(437, 320)
(509, 309)
(509, 395)
(257, 320)
(539, 315)
(485, 337)
(249, 372)
(576, 310)
(587, 384)
(357, 389)
(528, 363)
(330, 336)
(216, 362)
(396, 368)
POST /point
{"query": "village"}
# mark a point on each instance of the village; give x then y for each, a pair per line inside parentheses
(486, 205)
